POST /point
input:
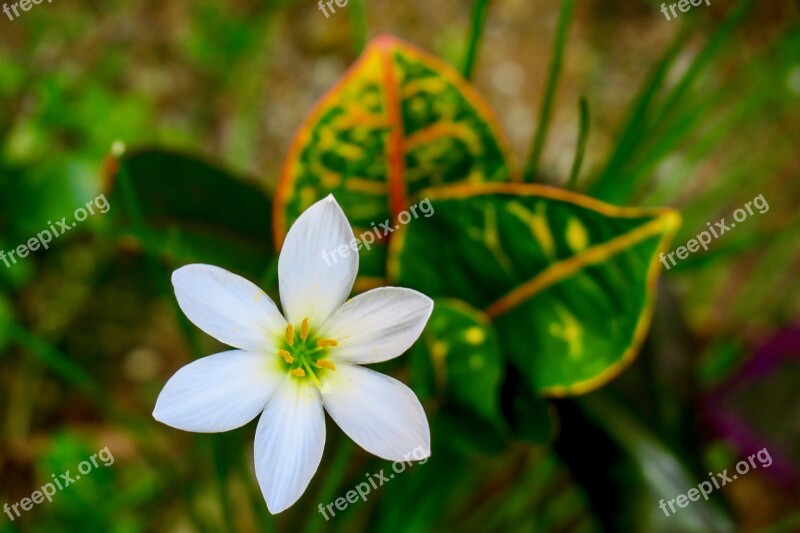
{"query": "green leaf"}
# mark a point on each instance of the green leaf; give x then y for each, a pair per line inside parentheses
(460, 353)
(568, 281)
(399, 121)
(468, 434)
(531, 418)
(191, 211)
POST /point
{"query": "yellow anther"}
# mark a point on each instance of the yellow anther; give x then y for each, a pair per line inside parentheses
(290, 335)
(324, 363)
(327, 342)
(286, 356)
(304, 329)
(299, 372)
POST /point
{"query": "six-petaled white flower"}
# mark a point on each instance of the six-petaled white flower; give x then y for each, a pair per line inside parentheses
(288, 369)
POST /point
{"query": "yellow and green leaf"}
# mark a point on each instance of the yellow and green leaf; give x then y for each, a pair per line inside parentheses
(458, 358)
(568, 281)
(398, 122)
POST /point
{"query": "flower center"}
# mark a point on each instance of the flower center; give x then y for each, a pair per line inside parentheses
(304, 354)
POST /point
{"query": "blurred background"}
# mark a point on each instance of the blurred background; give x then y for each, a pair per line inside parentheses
(701, 113)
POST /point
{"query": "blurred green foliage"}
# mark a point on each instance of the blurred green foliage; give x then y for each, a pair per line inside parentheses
(89, 329)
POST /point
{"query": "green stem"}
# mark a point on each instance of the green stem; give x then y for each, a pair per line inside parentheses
(358, 20)
(477, 20)
(580, 151)
(545, 114)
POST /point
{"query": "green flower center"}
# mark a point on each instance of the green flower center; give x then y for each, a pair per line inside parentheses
(304, 354)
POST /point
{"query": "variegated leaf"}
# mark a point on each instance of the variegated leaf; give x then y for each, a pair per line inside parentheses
(568, 281)
(399, 121)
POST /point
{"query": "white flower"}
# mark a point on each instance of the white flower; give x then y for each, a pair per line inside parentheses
(288, 369)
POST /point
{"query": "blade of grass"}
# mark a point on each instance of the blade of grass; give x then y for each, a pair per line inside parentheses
(650, 156)
(672, 126)
(477, 20)
(616, 185)
(706, 55)
(606, 184)
(546, 110)
(580, 150)
(758, 76)
(358, 22)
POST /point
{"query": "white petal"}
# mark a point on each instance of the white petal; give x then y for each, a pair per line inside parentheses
(379, 413)
(218, 393)
(377, 325)
(311, 285)
(289, 443)
(228, 307)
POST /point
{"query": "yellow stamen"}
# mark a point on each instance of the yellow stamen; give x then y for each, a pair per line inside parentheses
(290, 335)
(286, 356)
(304, 329)
(327, 342)
(299, 372)
(324, 363)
